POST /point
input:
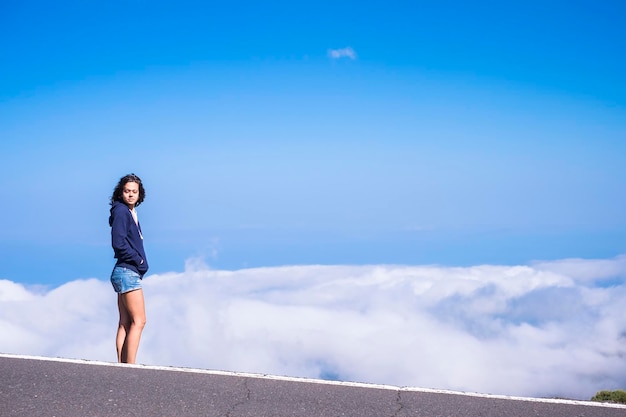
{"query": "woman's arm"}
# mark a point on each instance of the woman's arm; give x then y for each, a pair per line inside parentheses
(120, 228)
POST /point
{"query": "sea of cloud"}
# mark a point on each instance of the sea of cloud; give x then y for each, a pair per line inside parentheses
(550, 329)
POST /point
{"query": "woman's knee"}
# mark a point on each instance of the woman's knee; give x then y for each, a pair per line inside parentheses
(139, 321)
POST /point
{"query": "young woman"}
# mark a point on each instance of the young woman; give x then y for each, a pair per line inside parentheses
(131, 266)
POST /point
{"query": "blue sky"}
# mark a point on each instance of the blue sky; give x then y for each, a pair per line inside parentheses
(452, 133)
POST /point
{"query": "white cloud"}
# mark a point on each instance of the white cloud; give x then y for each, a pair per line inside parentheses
(542, 330)
(347, 52)
(10, 291)
(583, 269)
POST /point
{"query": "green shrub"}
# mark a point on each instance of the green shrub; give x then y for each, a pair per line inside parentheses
(617, 396)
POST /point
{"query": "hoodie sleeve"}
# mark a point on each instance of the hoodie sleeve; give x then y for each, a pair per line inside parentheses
(120, 225)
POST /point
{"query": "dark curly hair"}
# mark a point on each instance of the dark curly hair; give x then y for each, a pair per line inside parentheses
(119, 189)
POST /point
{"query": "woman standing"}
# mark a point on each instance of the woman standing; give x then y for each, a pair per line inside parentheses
(131, 266)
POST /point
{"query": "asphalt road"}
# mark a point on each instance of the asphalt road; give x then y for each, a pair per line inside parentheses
(33, 387)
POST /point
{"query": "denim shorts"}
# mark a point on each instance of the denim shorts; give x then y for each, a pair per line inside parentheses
(125, 280)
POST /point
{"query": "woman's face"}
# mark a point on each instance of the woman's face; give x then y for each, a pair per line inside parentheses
(130, 194)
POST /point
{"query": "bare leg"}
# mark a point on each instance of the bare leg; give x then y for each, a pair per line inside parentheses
(122, 330)
(132, 322)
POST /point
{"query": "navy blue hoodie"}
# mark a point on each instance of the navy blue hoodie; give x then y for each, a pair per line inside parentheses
(126, 239)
